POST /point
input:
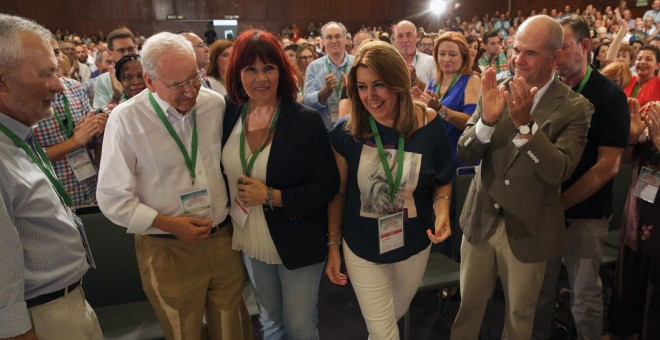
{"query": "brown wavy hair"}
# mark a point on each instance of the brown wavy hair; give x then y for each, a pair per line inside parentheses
(216, 50)
(387, 62)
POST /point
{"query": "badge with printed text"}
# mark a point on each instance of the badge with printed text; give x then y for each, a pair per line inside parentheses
(647, 185)
(390, 232)
(197, 204)
(81, 164)
(333, 104)
(239, 212)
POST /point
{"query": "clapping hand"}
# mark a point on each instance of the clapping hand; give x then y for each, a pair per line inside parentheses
(492, 97)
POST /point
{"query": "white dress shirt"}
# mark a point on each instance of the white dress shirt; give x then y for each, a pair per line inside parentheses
(424, 67)
(143, 172)
(484, 133)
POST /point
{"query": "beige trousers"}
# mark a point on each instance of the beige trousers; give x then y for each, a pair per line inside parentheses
(67, 318)
(185, 282)
(481, 263)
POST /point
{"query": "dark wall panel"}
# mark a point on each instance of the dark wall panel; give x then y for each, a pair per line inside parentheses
(149, 16)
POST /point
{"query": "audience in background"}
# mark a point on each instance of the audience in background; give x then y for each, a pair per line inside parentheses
(623, 47)
(219, 55)
(107, 90)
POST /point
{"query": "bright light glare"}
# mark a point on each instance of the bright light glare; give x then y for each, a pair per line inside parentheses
(437, 6)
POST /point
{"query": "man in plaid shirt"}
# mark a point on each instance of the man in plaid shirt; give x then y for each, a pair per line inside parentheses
(493, 55)
(62, 140)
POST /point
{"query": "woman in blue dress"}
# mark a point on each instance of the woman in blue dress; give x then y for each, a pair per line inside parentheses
(455, 90)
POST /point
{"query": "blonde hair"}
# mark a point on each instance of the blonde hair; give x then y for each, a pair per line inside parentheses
(463, 48)
(390, 67)
(618, 70)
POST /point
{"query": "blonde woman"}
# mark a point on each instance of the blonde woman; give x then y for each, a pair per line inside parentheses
(455, 90)
(396, 170)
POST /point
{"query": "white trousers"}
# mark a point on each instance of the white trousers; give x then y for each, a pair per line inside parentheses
(384, 291)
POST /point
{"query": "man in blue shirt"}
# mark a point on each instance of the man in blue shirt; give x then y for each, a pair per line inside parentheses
(43, 249)
(326, 76)
(654, 12)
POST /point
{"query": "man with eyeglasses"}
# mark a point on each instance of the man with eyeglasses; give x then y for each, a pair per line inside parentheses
(108, 90)
(420, 65)
(326, 76)
(160, 179)
(201, 55)
(425, 45)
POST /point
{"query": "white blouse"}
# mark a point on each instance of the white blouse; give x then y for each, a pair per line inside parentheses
(253, 238)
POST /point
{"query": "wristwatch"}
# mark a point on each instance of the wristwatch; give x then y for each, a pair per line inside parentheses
(442, 112)
(526, 129)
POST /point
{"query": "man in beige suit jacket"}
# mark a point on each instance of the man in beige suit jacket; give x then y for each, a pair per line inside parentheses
(529, 134)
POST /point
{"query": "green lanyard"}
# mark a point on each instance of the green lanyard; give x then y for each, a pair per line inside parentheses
(191, 160)
(394, 185)
(247, 165)
(453, 81)
(340, 80)
(69, 127)
(636, 89)
(41, 161)
(585, 79)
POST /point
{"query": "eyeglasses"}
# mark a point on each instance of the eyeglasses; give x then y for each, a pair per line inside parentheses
(302, 57)
(126, 50)
(426, 45)
(330, 37)
(181, 87)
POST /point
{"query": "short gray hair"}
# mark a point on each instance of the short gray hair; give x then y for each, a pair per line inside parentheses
(333, 23)
(161, 44)
(10, 28)
(99, 54)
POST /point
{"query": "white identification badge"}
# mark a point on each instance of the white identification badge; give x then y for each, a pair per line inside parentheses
(239, 212)
(390, 232)
(647, 185)
(197, 203)
(334, 110)
(81, 164)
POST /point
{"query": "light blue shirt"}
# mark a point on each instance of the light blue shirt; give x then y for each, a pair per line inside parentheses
(654, 14)
(41, 249)
(315, 81)
(102, 90)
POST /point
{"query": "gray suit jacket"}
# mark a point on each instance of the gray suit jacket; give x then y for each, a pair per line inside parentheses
(526, 183)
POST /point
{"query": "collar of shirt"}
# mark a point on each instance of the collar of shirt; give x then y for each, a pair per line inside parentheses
(344, 61)
(168, 109)
(22, 131)
(541, 92)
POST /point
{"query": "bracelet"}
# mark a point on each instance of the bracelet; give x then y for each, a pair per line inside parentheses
(437, 198)
(269, 198)
(332, 233)
(338, 243)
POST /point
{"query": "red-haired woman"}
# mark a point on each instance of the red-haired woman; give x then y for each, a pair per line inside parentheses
(282, 175)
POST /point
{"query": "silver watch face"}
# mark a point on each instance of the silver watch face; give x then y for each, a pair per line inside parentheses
(524, 130)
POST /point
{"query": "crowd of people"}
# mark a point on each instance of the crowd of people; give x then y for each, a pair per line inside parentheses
(280, 157)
